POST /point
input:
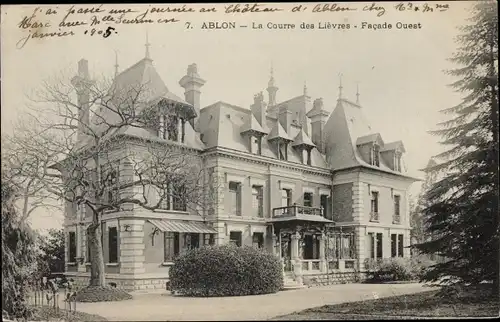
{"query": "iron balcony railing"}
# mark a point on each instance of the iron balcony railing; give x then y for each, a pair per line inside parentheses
(295, 210)
(374, 216)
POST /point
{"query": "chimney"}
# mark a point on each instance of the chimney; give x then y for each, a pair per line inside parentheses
(192, 83)
(258, 109)
(318, 118)
(285, 118)
(82, 82)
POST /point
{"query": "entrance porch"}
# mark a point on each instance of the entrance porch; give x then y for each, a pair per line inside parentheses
(310, 245)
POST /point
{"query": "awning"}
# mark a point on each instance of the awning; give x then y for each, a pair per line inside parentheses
(182, 226)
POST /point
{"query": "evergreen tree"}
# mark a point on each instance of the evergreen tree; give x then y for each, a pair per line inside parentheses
(18, 259)
(51, 257)
(462, 206)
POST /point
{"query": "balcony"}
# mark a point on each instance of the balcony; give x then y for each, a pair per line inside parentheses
(295, 211)
(374, 217)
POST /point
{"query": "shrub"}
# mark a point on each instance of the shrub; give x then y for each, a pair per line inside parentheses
(101, 294)
(397, 269)
(226, 270)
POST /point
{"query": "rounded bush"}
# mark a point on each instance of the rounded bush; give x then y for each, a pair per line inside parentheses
(101, 294)
(398, 269)
(226, 270)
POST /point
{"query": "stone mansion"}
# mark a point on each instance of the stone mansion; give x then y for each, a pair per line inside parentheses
(287, 169)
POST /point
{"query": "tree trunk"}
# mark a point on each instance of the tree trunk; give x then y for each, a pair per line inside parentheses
(97, 277)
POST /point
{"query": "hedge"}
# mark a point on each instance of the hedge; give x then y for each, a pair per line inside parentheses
(397, 268)
(226, 270)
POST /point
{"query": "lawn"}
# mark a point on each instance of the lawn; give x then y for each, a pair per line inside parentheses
(471, 303)
(48, 313)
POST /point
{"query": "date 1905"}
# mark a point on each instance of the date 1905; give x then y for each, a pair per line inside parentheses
(105, 33)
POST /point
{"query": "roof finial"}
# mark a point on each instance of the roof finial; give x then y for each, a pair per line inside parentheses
(305, 88)
(271, 79)
(147, 46)
(340, 85)
(116, 63)
(357, 93)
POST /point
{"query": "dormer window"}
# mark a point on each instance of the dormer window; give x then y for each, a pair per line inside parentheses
(256, 144)
(375, 155)
(283, 151)
(306, 156)
(397, 161)
(172, 128)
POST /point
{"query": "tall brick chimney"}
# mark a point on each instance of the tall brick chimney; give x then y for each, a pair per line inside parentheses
(318, 117)
(192, 83)
(82, 82)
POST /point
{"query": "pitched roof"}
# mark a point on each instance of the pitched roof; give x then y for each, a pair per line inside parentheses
(142, 76)
(302, 139)
(278, 132)
(344, 126)
(253, 125)
(375, 137)
(393, 146)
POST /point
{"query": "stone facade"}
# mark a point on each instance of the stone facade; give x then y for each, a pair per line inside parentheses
(260, 163)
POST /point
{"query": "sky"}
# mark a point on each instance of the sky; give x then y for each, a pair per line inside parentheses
(400, 72)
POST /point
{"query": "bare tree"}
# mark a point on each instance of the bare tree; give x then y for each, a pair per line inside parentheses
(112, 152)
(24, 162)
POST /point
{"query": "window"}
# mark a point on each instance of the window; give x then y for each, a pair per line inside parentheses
(258, 240)
(308, 199)
(255, 144)
(113, 244)
(208, 239)
(379, 245)
(235, 197)
(283, 151)
(375, 155)
(257, 201)
(165, 202)
(110, 174)
(397, 161)
(311, 247)
(324, 204)
(191, 240)
(172, 128)
(374, 206)
(171, 246)
(183, 130)
(308, 157)
(286, 197)
(88, 246)
(72, 247)
(394, 245)
(161, 130)
(397, 205)
(179, 198)
(371, 244)
(400, 245)
(235, 238)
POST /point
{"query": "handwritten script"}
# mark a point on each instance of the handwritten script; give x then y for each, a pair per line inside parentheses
(100, 21)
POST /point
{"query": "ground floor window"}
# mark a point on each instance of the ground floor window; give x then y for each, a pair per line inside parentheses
(208, 239)
(113, 245)
(380, 245)
(400, 245)
(397, 245)
(258, 240)
(311, 247)
(375, 246)
(235, 238)
(72, 247)
(171, 246)
(191, 240)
